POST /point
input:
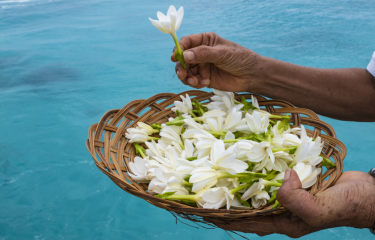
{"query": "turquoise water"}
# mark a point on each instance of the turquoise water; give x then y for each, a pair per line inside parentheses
(63, 64)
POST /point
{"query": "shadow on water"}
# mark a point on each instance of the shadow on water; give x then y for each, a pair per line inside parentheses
(50, 74)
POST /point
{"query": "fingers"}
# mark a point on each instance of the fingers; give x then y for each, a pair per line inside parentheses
(196, 76)
(205, 54)
(285, 223)
(196, 40)
(297, 200)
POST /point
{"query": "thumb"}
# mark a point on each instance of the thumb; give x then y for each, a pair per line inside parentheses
(204, 54)
(297, 200)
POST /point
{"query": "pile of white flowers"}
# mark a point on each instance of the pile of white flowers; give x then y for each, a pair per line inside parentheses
(225, 153)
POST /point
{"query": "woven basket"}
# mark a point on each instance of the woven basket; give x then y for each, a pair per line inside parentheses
(112, 152)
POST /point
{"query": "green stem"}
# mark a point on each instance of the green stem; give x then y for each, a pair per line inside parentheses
(182, 197)
(273, 197)
(153, 138)
(216, 133)
(269, 183)
(182, 146)
(187, 183)
(284, 149)
(234, 190)
(277, 116)
(179, 52)
(139, 149)
(292, 164)
(191, 158)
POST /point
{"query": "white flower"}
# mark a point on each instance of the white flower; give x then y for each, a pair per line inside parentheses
(146, 128)
(216, 198)
(215, 124)
(291, 140)
(256, 123)
(184, 106)
(281, 160)
(192, 124)
(153, 149)
(170, 134)
(138, 167)
(213, 113)
(204, 141)
(262, 153)
(233, 120)
(159, 182)
(222, 100)
(309, 150)
(225, 160)
(254, 101)
(203, 177)
(170, 23)
(236, 204)
(136, 135)
(244, 147)
(185, 167)
(307, 174)
(242, 126)
(253, 190)
(260, 199)
(175, 184)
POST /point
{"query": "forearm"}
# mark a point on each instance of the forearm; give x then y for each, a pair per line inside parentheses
(347, 94)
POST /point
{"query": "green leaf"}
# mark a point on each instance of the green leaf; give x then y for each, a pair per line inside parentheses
(189, 203)
(165, 195)
(246, 203)
(251, 166)
(271, 175)
(327, 162)
(276, 205)
(187, 178)
(178, 121)
(273, 197)
(293, 149)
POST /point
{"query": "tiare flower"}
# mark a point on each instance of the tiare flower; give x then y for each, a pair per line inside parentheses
(216, 198)
(185, 106)
(139, 169)
(225, 160)
(309, 151)
(260, 199)
(138, 135)
(176, 184)
(223, 100)
(308, 174)
(159, 182)
(170, 24)
(257, 187)
(256, 123)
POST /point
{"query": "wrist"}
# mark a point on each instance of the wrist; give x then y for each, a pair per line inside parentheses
(260, 77)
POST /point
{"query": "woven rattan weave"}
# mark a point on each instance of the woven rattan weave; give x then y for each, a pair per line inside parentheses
(112, 152)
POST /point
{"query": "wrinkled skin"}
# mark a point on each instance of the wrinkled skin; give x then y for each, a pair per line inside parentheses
(350, 202)
(218, 63)
(347, 94)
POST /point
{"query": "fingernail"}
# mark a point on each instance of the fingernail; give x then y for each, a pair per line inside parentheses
(287, 174)
(188, 55)
(205, 82)
(191, 81)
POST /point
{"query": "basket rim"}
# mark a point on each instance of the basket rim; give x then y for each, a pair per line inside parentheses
(118, 120)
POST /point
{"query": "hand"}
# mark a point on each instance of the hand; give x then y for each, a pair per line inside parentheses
(350, 202)
(215, 62)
